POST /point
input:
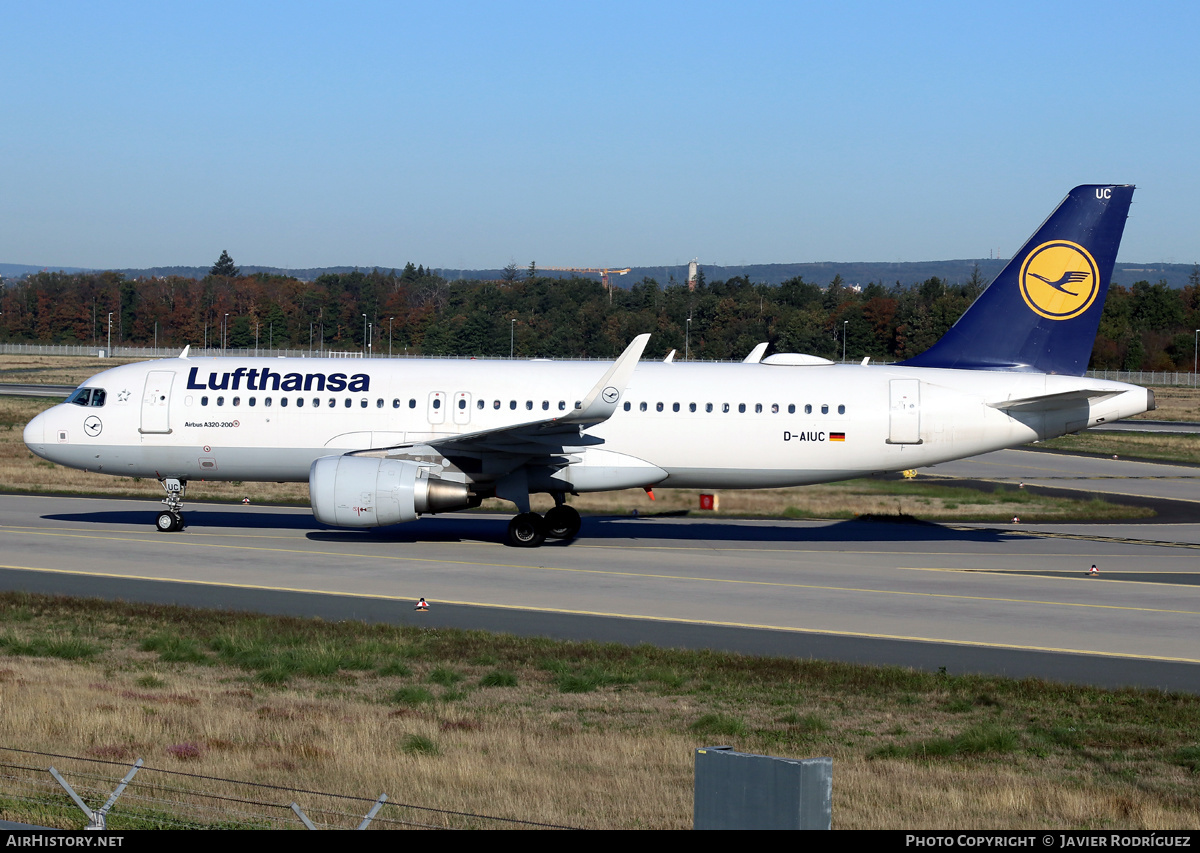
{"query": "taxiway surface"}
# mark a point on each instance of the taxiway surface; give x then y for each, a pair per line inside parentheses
(970, 598)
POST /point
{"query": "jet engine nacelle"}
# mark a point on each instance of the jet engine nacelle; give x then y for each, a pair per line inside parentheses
(365, 491)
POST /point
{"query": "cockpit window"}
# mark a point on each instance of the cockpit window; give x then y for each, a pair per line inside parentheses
(93, 397)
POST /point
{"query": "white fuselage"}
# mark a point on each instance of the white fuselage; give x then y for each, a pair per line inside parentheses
(698, 425)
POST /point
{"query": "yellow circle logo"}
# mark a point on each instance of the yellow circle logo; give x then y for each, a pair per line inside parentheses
(1059, 280)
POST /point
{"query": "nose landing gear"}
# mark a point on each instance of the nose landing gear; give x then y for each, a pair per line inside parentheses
(171, 520)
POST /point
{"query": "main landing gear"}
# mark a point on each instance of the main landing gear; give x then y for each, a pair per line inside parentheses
(171, 519)
(529, 530)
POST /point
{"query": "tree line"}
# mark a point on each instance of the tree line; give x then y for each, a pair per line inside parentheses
(414, 311)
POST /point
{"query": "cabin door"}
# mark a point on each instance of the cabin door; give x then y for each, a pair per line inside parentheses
(156, 402)
(904, 420)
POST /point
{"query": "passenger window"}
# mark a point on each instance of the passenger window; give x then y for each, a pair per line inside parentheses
(437, 403)
(808, 408)
(512, 405)
(841, 410)
(362, 404)
(529, 405)
(378, 403)
(317, 402)
(725, 408)
(495, 404)
(283, 402)
(824, 408)
(741, 408)
(774, 408)
(758, 408)
(545, 405)
(203, 401)
(479, 404)
(658, 407)
(267, 402)
(396, 403)
(252, 401)
(708, 407)
(299, 402)
(628, 405)
(237, 401)
(562, 405)
(674, 407)
(333, 403)
(642, 407)
(220, 401)
(691, 407)
(412, 404)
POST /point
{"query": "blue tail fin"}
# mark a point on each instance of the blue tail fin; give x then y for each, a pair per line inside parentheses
(1041, 313)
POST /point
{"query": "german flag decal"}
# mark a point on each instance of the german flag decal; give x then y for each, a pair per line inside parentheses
(837, 436)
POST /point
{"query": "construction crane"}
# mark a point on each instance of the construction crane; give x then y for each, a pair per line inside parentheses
(604, 273)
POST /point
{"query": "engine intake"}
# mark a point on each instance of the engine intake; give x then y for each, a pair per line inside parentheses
(365, 491)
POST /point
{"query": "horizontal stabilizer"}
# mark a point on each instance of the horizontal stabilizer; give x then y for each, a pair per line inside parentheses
(1047, 402)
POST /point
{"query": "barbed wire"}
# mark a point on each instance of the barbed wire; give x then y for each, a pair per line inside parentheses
(142, 790)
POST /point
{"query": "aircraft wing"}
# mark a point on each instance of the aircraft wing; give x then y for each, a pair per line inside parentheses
(506, 448)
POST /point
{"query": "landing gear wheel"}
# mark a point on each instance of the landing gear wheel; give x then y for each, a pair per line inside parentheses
(562, 522)
(169, 522)
(527, 530)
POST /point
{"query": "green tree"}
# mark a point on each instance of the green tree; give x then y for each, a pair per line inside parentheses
(224, 266)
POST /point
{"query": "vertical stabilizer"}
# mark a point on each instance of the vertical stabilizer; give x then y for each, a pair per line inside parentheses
(1042, 312)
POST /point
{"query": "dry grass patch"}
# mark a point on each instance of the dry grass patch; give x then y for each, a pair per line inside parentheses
(1175, 403)
(910, 749)
(56, 369)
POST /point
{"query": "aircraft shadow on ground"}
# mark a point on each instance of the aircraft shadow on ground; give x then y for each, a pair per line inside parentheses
(596, 528)
(449, 528)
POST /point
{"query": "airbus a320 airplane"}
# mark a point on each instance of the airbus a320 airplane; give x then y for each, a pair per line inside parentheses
(384, 441)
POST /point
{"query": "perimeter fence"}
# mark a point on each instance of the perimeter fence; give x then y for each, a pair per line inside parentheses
(1136, 377)
(155, 798)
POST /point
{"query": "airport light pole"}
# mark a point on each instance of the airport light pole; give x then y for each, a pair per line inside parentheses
(512, 335)
(1195, 353)
(370, 339)
(109, 350)
(844, 322)
(687, 340)
(256, 339)
(364, 335)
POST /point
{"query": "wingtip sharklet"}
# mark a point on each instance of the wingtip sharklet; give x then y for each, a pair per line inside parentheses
(602, 400)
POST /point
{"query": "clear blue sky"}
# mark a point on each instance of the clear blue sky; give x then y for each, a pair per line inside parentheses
(468, 135)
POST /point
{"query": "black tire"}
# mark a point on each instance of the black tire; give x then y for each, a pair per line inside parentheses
(527, 530)
(166, 522)
(562, 522)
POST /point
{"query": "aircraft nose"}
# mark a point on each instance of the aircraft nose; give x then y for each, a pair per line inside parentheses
(35, 434)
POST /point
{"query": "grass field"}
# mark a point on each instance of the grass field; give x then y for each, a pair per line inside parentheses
(568, 733)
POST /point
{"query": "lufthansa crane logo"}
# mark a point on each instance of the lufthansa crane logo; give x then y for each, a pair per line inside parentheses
(1059, 280)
